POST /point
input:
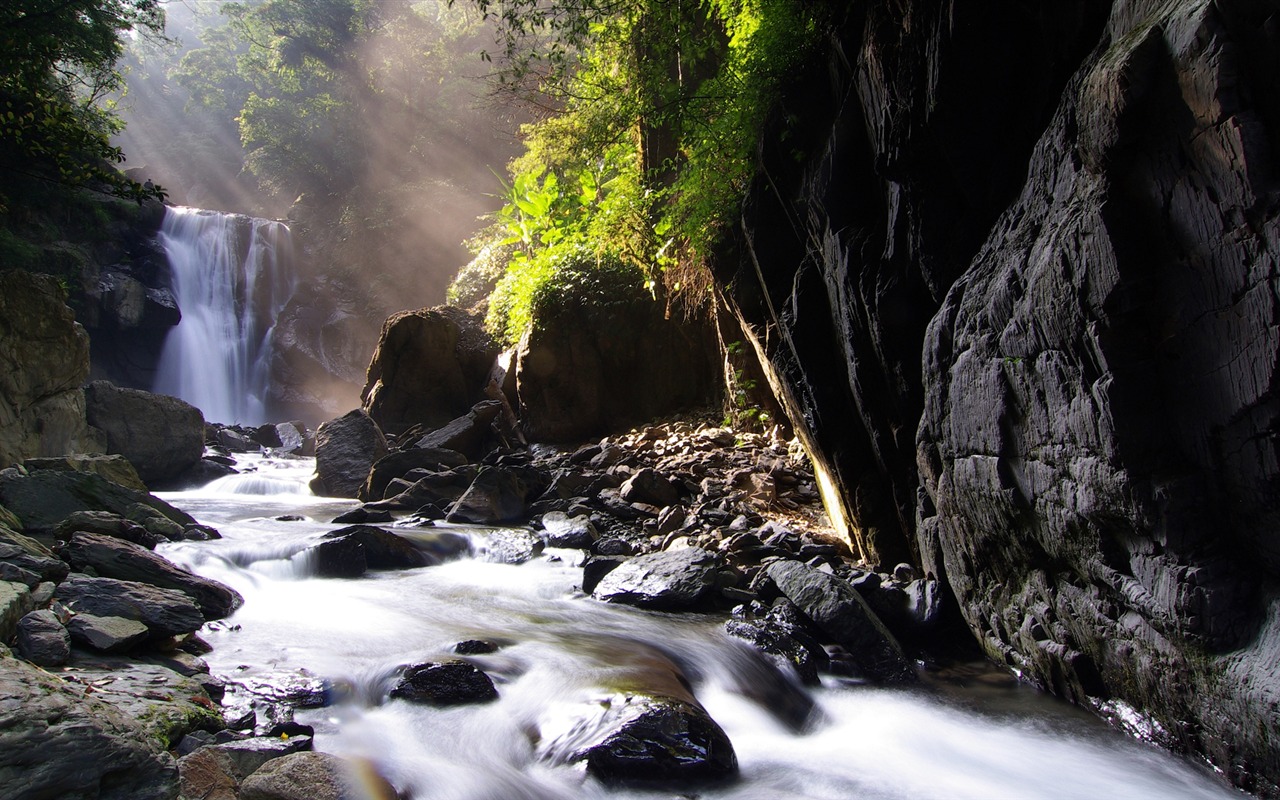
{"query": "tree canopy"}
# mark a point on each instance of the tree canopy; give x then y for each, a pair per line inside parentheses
(57, 67)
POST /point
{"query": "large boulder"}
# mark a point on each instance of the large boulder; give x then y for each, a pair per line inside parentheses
(165, 612)
(466, 434)
(161, 436)
(110, 557)
(497, 495)
(44, 360)
(640, 739)
(671, 580)
(43, 498)
(58, 741)
(605, 360)
(397, 464)
(431, 366)
(841, 613)
(346, 450)
(444, 683)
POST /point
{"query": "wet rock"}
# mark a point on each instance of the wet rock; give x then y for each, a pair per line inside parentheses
(166, 705)
(43, 640)
(650, 740)
(338, 558)
(161, 436)
(107, 634)
(45, 497)
(15, 603)
(216, 769)
(59, 742)
(510, 546)
(165, 612)
(115, 558)
(107, 524)
(475, 647)
(785, 643)
(313, 776)
(362, 515)
(838, 609)
(346, 449)
(397, 464)
(445, 683)
(672, 580)
(595, 568)
(466, 434)
(496, 496)
(235, 441)
(562, 530)
(430, 489)
(383, 549)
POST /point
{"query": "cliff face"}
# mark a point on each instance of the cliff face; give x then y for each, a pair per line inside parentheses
(1038, 250)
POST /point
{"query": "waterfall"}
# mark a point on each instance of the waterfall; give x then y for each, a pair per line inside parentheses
(231, 275)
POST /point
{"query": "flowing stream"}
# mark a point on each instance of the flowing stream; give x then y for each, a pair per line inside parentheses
(231, 274)
(969, 733)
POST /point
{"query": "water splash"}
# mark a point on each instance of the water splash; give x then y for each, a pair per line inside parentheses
(231, 274)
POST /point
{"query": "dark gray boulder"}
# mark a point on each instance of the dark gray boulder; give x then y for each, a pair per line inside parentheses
(497, 495)
(654, 740)
(59, 742)
(28, 554)
(671, 580)
(161, 436)
(383, 549)
(337, 558)
(107, 524)
(115, 558)
(841, 613)
(651, 487)
(395, 465)
(466, 434)
(107, 634)
(45, 497)
(561, 530)
(430, 366)
(445, 683)
(43, 640)
(165, 612)
(346, 450)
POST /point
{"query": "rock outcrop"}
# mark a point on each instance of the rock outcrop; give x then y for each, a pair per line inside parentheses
(1018, 298)
(346, 450)
(161, 436)
(44, 360)
(594, 365)
(58, 742)
(430, 366)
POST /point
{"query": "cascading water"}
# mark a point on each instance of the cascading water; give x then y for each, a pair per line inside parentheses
(339, 642)
(231, 274)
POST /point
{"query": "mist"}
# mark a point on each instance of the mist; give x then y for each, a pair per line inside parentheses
(369, 128)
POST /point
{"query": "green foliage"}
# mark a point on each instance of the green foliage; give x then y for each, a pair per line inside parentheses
(656, 107)
(474, 283)
(57, 65)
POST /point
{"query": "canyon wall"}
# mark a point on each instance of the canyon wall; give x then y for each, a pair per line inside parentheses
(1019, 294)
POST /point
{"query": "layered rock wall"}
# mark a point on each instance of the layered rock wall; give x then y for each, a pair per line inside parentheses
(44, 360)
(1020, 298)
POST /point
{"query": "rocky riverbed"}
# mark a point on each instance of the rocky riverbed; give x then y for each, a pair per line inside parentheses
(684, 515)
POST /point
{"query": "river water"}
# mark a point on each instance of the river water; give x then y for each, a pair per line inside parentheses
(967, 733)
